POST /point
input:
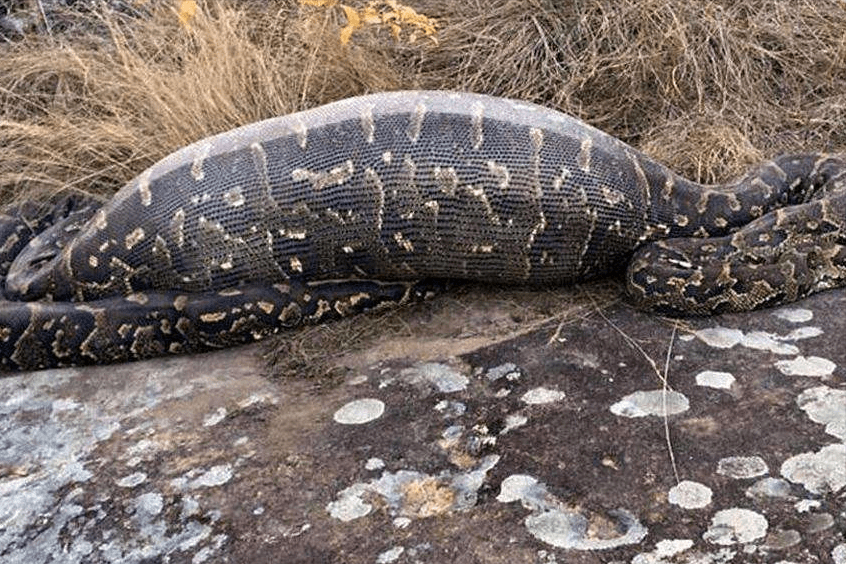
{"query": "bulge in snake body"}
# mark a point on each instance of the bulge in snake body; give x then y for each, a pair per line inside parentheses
(388, 186)
(395, 186)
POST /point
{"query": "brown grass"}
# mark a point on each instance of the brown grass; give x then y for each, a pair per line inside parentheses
(707, 87)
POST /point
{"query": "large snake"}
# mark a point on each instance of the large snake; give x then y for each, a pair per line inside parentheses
(346, 206)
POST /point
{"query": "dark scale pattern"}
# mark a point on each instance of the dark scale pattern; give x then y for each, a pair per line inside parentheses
(341, 208)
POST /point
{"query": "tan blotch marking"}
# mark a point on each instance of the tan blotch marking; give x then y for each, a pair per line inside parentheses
(104, 246)
(559, 181)
(758, 182)
(721, 222)
(100, 221)
(374, 183)
(320, 180)
(144, 188)
(585, 154)
(266, 307)
(93, 261)
(500, 173)
(10, 242)
(681, 220)
(642, 180)
(481, 195)
(477, 132)
(136, 236)
(368, 125)
(199, 159)
(295, 235)
(160, 248)
(139, 298)
(536, 137)
(734, 203)
(177, 225)
(260, 160)
(323, 307)
(227, 264)
(183, 325)
(179, 302)
(593, 216)
(213, 317)
(228, 292)
(447, 179)
(669, 188)
(234, 197)
(387, 157)
(415, 123)
(124, 330)
(296, 265)
(612, 197)
(291, 314)
(301, 131)
(403, 242)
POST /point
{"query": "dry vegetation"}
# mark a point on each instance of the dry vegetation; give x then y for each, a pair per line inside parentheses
(706, 87)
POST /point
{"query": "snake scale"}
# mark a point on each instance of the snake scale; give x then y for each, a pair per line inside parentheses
(359, 203)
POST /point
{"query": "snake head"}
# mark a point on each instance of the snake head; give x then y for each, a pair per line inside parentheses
(36, 271)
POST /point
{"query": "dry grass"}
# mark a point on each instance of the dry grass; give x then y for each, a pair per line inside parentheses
(707, 87)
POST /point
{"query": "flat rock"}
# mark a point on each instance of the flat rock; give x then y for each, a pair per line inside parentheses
(551, 445)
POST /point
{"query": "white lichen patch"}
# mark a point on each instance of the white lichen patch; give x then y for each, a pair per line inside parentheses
(374, 464)
(654, 402)
(742, 467)
(214, 418)
(803, 333)
(349, 504)
(690, 495)
(806, 366)
(513, 421)
(663, 550)
(725, 338)
(736, 526)
(557, 525)
(390, 555)
(149, 504)
(720, 337)
(762, 341)
(541, 395)
(444, 377)
(794, 314)
(838, 554)
(715, 379)
(451, 408)
(770, 487)
(413, 494)
(214, 476)
(508, 370)
(826, 406)
(360, 411)
(132, 480)
(819, 472)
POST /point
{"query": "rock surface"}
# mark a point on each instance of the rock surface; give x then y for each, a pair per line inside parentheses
(547, 446)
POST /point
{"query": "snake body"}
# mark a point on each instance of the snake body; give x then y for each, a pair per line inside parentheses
(347, 206)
